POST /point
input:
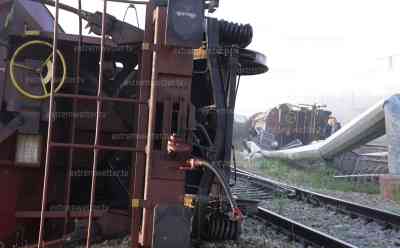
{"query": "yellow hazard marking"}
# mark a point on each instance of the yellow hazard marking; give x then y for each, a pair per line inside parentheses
(135, 203)
(188, 201)
(200, 53)
(146, 46)
(32, 33)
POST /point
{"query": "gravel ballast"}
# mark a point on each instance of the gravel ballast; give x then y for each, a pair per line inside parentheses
(356, 231)
(255, 234)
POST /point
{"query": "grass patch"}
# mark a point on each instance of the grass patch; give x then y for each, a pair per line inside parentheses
(397, 195)
(317, 177)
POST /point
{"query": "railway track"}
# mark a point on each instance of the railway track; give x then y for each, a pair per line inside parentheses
(318, 220)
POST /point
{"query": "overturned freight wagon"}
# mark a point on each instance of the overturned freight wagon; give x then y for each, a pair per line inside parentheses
(127, 132)
(290, 125)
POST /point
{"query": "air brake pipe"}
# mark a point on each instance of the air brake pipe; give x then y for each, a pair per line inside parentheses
(197, 163)
(205, 133)
(363, 129)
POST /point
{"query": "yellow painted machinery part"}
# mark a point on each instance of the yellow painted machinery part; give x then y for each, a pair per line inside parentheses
(17, 84)
(200, 53)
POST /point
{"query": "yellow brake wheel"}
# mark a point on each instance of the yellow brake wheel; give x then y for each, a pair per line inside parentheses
(47, 65)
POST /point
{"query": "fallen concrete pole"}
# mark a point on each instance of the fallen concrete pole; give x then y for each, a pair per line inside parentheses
(363, 129)
(382, 118)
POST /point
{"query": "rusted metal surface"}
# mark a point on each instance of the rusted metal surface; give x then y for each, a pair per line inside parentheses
(11, 128)
(164, 188)
(138, 171)
(69, 147)
(8, 190)
(100, 98)
(58, 214)
(99, 147)
(117, 134)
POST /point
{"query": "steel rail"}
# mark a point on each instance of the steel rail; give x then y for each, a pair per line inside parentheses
(301, 232)
(265, 182)
(378, 215)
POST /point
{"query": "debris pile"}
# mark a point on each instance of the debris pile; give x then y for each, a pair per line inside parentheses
(288, 126)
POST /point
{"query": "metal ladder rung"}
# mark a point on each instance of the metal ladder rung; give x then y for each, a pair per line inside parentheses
(57, 214)
(98, 147)
(102, 98)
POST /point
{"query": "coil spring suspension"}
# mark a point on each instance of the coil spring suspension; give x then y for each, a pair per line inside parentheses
(236, 34)
(220, 227)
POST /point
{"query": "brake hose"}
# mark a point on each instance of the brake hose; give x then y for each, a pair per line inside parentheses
(196, 163)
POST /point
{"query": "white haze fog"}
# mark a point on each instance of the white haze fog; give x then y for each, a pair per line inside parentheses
(342, 53)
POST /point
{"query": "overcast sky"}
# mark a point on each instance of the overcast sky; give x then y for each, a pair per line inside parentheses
(315, 48)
